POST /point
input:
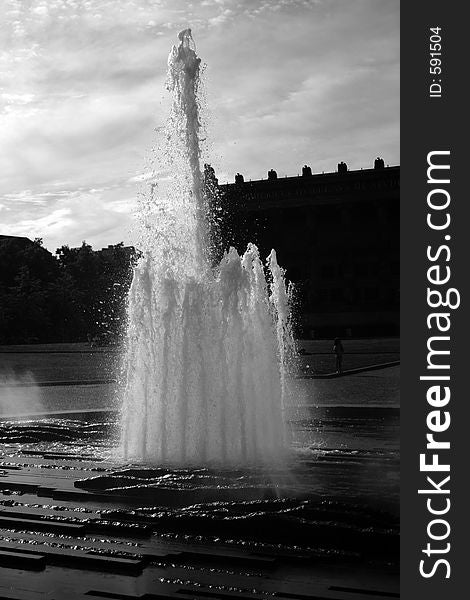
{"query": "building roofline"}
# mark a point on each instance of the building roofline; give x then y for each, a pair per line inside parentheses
(314, 176)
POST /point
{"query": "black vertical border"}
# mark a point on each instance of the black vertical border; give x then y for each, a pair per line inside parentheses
(433, 124)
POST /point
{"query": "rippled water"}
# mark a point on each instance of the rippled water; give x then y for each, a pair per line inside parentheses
(333, 500)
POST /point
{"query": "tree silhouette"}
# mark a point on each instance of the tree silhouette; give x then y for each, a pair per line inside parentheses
(78, 294)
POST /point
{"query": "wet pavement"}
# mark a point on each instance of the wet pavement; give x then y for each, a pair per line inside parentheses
(76, 521)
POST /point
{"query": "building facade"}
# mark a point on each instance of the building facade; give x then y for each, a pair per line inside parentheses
(337, 237)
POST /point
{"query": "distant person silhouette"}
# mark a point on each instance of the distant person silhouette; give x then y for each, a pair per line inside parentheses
(339, 351)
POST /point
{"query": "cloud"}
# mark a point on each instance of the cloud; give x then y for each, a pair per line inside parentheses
(288, 82)
(221, 18)
(99, 214)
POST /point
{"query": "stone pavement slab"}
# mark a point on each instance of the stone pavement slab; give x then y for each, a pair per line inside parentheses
(83, 547)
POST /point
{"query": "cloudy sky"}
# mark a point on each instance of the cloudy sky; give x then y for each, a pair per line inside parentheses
(288, 82)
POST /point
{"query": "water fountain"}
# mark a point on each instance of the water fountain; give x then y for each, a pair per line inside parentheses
(213, 512)
(207, 347)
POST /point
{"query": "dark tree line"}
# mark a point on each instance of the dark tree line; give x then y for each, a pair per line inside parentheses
(78, 295)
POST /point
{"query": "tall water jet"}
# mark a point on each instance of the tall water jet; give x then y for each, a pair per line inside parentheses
(207, 346)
